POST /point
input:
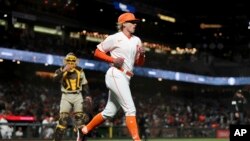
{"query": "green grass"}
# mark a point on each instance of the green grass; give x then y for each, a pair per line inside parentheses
(167, 139)
(170, 139)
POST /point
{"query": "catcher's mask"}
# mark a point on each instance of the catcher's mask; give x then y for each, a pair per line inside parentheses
(70, 59)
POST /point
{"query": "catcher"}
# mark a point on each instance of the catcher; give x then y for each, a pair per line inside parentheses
(73, 84)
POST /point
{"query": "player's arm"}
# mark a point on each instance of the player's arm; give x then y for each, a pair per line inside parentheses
(85, 88)
(103, 56)
(103, 48)
(87, 103)
(58, 75)
(140, 60)
(140, 56)
(117, 62)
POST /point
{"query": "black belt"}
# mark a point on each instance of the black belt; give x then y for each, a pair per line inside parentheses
(70, 92)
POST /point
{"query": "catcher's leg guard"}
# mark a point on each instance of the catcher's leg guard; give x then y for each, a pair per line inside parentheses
(61, 127)
(80, 120)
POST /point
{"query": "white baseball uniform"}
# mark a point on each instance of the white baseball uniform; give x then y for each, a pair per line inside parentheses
(119, 45)
(5, 130)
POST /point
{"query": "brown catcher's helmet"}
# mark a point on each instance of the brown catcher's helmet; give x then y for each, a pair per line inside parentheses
(70, 59)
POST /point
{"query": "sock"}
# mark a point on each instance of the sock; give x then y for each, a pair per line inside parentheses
(96, 121)
(132, 127)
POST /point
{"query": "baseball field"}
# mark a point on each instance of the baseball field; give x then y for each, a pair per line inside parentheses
(183, 139)
(192, 139)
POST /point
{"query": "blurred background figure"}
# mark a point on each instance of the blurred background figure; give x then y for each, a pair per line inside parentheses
(47, 129)
(19, 133)
(238, 106)
(6, 130)
(142, 126)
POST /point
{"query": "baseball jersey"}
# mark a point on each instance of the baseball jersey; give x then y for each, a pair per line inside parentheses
(72, 81)
(119, 45)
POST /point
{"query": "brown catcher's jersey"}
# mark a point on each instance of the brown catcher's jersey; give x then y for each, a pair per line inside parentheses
(71, 81)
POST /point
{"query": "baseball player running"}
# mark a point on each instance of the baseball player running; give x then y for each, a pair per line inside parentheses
(73, 83)
(125, 51)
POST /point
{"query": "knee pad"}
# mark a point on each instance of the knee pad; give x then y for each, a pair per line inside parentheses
(81, 118)
(59, 132)
(61, 126)
(63, 120)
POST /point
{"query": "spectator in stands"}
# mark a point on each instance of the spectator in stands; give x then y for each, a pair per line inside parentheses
(47, 130)
(19, 133)
(6, 130)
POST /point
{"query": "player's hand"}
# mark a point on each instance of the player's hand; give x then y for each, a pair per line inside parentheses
(67, 68)
(118, 62)
(88, 104)
(140, 49)
(88, 99)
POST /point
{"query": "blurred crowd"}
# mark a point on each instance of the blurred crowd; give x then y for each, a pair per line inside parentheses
(203, 61)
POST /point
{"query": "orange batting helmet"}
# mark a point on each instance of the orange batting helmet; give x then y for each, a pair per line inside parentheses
(126, 17)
